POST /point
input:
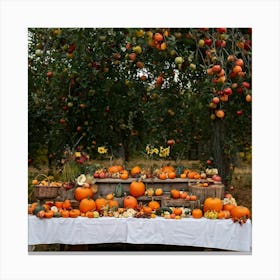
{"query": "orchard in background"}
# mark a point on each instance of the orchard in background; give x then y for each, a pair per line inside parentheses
(186, 88)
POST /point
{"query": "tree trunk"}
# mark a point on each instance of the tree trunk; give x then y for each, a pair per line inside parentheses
(222, 159)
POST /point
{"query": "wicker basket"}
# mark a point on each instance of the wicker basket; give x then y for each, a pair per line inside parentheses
(42, 192)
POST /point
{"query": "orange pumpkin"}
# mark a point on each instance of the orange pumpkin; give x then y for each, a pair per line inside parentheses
(100, 202)
(137, 188)
(224, 214)
(239, 212)
(171, 175)
(83, 192)
(162, 175)
(221, 215)
(177, 211)
(74, 213)
(89, 214)
(113, 203)
(158, 191)
(136, 170)
(197, 213)
(124, 175)
(191, 175)
(49, 214)
(30, 210)
(66, 204)
(87, 204)
(154, 205)
(183, 195)
(212, 203)
(109, 196)
(193, 197)
(115, 168)
(228, 207)
(167, 169)
(130, 202)
(58, 204)
(147, 209)
(175, 193)
(65, 214)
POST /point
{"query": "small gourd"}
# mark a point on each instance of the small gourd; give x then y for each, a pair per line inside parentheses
(119, 190)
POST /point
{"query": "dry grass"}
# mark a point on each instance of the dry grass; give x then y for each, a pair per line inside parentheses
(242, 182)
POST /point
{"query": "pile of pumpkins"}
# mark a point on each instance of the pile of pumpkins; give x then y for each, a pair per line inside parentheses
(108, 206)
(165, 172)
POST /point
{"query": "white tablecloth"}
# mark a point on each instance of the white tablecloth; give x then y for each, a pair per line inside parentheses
(220, 234)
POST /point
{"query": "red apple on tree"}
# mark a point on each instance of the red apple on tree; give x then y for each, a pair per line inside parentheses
(208, 42)
(170, 142)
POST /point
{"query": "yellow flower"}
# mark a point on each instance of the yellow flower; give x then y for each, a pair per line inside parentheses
(102, 150)
(164, 152)
(77, 154)
(148, 149)
(155, 151)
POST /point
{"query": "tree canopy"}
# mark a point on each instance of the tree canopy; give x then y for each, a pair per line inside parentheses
(125, 88)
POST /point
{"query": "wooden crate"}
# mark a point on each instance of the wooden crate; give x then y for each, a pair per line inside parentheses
(166, 200)
(171, 202)
(214, 190)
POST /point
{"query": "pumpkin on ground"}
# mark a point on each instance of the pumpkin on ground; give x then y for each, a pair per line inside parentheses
(212, 204)
(137, 188)
(130, 202)
(87, 204)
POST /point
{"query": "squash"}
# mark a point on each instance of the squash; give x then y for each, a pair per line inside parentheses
(38, 208)
(161, 210)
(119, 190)
(81, 179)
(57, 214)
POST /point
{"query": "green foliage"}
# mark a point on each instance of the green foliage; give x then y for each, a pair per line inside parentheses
(84, 82)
